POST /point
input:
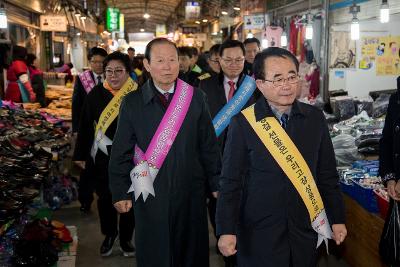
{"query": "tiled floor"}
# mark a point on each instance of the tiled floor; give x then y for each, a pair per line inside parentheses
(90, 239)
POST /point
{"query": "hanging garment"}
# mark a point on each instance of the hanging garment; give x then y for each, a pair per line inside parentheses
(274, 36)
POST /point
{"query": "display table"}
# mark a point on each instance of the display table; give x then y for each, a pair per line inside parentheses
(361, 247)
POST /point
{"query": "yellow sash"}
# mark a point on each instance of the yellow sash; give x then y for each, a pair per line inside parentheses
(289, 158)
(111, 111)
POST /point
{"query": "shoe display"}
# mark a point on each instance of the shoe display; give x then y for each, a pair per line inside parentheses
(127, 249)
(32, 147)
(107, 246)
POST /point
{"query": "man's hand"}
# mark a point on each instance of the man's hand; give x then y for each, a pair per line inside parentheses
(339, 233)
(393, 188)
(123, 206)
(215, 194)
(227, 245)
(81, 164)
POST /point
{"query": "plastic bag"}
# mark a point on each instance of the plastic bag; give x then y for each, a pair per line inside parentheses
(380, 105)
(389, 245)
(345, 149)
(364, 104)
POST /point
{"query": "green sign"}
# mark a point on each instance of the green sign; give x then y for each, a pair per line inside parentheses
(112, 19)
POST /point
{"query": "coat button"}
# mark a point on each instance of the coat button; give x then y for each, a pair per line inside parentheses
(396, 129)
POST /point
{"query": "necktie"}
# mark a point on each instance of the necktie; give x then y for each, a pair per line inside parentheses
(231, 89)
(166, 95)
(284, 120)
(99, 81)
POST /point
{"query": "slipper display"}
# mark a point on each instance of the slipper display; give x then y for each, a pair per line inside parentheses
(32, 147)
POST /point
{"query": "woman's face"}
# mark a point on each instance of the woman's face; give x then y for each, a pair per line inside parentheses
(35, 63)
(116, 74)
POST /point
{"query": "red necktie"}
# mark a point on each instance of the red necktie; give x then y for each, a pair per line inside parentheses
(231, 89)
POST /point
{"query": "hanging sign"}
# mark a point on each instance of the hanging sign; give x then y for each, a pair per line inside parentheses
(53, 23)
(121, 23)
(161, 30)
(112, 18)
(254, 22)
(192, 10)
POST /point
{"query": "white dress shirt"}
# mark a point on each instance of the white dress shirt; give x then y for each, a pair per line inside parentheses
(227, 87)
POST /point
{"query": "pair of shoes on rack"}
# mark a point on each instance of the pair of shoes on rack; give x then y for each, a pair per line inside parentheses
(106, 248)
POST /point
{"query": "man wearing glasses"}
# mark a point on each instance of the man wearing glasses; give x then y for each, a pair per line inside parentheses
(213, 59)
(279, 193)
(83, 85)
(220, 89)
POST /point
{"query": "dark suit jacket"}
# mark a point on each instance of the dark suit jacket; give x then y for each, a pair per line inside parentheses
(259, 204)
(176, 217)
(78, 99)
(214, 89)
(248, 68)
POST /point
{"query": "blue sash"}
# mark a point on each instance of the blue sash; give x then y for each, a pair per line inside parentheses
(235, 105)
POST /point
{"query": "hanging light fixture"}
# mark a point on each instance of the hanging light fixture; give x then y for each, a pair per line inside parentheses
(264, 42)
(146, 15)
(142, 30)
(236, 8)
(224, 13)
(309, 31)
(355, 29)
(250, 35)
(384, 12)
(3, 17)
(284, 39)
(355, 25)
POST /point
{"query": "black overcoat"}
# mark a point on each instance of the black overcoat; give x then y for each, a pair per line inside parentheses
(258, 203)
(78, 100)
(389, 150)
(95, 102)
(171, 228)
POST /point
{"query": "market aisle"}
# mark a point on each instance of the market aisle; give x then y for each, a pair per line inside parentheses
(90, 240)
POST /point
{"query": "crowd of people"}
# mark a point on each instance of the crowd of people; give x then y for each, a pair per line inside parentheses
(164, 137)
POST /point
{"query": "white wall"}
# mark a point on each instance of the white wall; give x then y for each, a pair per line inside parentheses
(356, 81)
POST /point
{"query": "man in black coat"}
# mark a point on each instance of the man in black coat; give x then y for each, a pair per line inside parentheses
(389, 150)
(252, 47)
(217, 88)
(260, 215)
(96, 57)
(171, 227)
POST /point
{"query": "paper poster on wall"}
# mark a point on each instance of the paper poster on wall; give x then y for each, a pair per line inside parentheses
(368, 52)
(343, 50)
(384, 51)
(388, 58)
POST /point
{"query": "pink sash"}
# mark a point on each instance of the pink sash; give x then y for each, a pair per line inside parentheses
(148, 164)
(87, 81)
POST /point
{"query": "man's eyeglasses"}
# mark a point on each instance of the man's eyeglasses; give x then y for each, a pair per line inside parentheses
(96, 62)
(231, 60)
(116, 72)
(281, 81)
(216, 61)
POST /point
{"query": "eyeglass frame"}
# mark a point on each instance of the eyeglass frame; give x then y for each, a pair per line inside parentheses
(114, 72)
(283, 80)
(96, 62)
(214, 60)
(231, 60)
